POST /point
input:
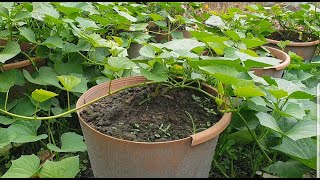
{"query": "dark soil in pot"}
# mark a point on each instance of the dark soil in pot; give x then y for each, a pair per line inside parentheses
(292, 36)
(136, 114)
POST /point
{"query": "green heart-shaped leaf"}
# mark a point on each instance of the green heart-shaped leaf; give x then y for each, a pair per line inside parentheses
(24, 167)
(289, 169)
(268, 121)
(70, 142)
(69, 82)
(41, 95)
(157, 74)
(40, 9)
(7, 137)
(234, 35)
(148, 51)
(119, 63)
(86, 24)
(248, 91)
(28, 34)
(26, 131)
(303, 150)
(66, 168)
(6, 121)
(53, 42)
(4, 12)
(10, 50)
(7, 80)
(303, 129)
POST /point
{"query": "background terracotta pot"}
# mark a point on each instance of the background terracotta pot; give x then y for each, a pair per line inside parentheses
(133, 50)
(304, 49)
(274, 71)
(160, 37)
(113, 157)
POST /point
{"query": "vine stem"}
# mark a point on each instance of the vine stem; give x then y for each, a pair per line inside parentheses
(254, 137)
(35, 111)
(6, 101)
(52, 138)
(33, 49)
(220, 169)
(163, 33)
(33, 63)
(285, 102)
(68, 97)
(110, 84)
(93, 62)
(193, 125)
(198, 89)
(169, 27)
(10, 29)
(109, 92)
(157, 88)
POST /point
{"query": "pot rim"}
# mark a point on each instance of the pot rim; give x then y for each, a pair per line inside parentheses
(196, 139)
(292, 43)
(20, 64)
(285, 62)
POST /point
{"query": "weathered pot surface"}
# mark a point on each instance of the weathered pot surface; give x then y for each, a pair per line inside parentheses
(274, 71)
(113, 157)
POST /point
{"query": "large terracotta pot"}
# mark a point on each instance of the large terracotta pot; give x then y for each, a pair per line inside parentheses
(113, 157)
(274, 71)
(304, 49)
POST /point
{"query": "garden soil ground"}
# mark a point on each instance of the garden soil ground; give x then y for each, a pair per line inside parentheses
(136, 114)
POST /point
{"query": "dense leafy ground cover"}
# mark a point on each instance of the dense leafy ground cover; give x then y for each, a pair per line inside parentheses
(273, 128)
